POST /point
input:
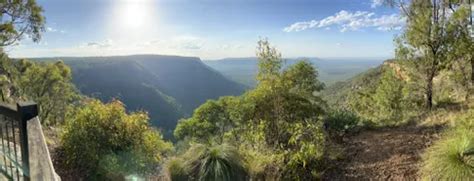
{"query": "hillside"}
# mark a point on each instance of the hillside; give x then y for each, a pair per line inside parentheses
(167, 87)
(337, 93)
(394, 149)
(331, 70)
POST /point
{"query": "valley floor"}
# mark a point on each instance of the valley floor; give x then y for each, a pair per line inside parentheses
(384, 154)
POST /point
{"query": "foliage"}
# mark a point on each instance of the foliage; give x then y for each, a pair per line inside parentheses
(102, 139)
(262, 163)
(8, 78)
(452, 157)
(211, 120)
(306, 148)
(205, 162)
(175, 169)
(462, 53)
(428, 41)
(340, 122)
(282, 114)
(388, 100)
(20, 18)
(48, 84)
(339, 95)
(389, 97)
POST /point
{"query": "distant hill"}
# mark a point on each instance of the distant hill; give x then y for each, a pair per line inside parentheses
(337, 93)
(167, 87)
(331, 70)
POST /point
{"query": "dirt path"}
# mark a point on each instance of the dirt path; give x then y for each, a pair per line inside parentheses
(387, 154)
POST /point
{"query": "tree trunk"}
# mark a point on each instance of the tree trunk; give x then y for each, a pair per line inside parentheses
(468, 96)
(429, 93)
(472, 71)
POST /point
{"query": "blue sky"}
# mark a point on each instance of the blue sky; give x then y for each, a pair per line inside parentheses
(213, 29)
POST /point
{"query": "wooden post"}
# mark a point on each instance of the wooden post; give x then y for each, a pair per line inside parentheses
(26, 111)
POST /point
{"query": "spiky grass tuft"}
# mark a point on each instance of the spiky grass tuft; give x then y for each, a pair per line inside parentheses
(207, 163)
(220, 162)
(176, 170)
(452, 157)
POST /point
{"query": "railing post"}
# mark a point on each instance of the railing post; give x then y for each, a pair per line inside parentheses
(26, 111)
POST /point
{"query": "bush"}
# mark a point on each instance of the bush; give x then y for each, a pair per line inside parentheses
(340, 122)
(106, 142)
(204, 162)
(262, 164)
(452, 157)
(175, 169)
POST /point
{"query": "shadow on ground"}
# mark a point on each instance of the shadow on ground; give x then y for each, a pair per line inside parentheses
(384, 154)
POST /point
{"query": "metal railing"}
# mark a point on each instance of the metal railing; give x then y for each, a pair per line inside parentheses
(14, 153)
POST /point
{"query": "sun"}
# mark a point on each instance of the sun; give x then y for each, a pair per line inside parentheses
(131, 22)
(134, 14)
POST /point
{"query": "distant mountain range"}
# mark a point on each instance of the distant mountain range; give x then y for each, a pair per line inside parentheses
(171, 87)
(331, 70)
(167, 87)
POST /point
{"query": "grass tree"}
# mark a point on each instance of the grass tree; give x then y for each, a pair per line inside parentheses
(208, 162)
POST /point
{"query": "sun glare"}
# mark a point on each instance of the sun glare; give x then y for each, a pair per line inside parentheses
(135, 14)
(132, 21)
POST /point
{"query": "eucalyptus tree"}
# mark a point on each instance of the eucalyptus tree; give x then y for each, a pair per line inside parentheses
(462, 54)
(20, 18)
(283, 114)
(50, 85)
(428, 38)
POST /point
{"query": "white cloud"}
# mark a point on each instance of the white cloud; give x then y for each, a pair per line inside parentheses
(231, 46)
(348, 21)
(177, 43)
(376, 3)
(51, 29)
(150, 43)
(300, 26)
(191, 45)
(102, 44)
(188, 43)
(54, 30)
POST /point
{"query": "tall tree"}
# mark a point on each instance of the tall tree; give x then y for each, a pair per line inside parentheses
(282, 114)
(8, 78)
(426, 40)
(430, 19)
(389, 96)
(50, 85)
(462, 54)
(20, 18)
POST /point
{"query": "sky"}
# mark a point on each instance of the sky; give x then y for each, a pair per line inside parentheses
(214, 29)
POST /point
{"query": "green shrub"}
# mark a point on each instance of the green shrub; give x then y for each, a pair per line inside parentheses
(176, 170)
(282, 115)
(340, 122)
(452, 157)
(204, 162)
(47, 83)
(106, 142)
(262, 164)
